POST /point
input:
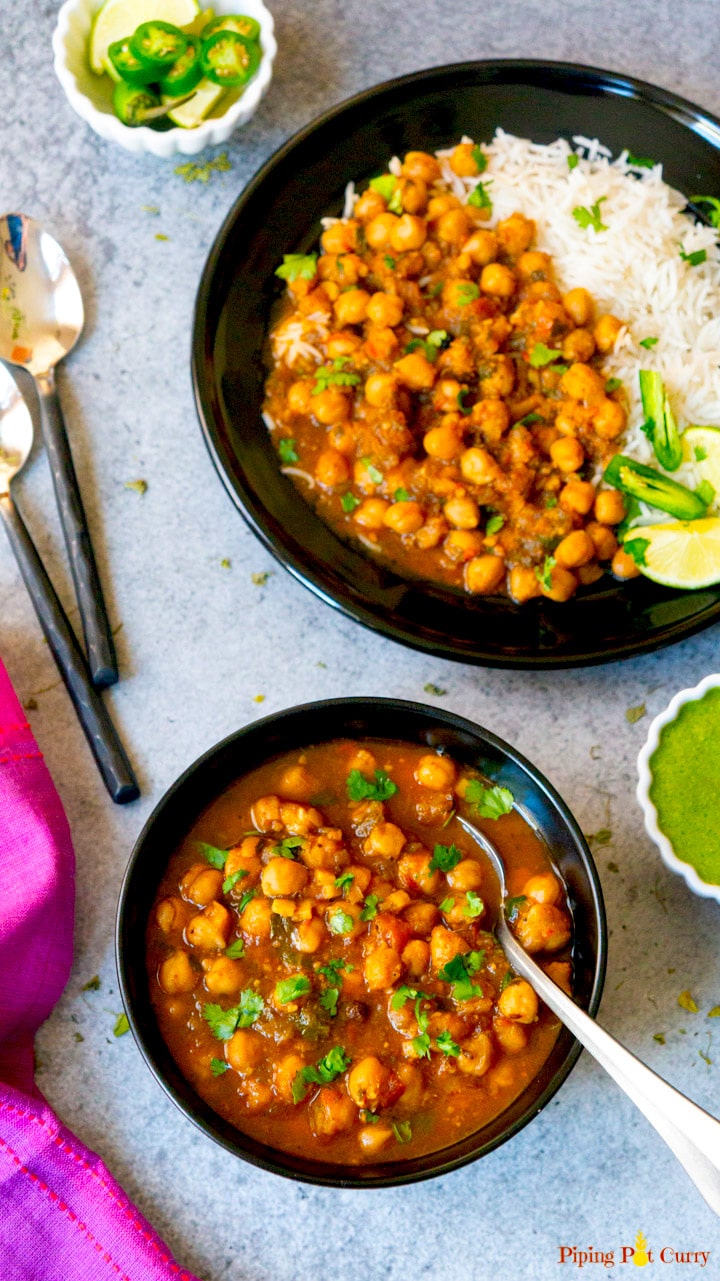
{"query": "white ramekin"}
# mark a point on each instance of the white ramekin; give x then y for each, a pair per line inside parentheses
(89, 94)
(670, 858)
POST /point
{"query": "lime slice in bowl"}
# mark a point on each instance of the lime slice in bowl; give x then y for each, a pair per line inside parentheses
(681, 553)
(118, 19)
(701, 447)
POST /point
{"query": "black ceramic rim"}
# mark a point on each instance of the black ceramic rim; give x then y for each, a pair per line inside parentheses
(345, 718)
(682, 622)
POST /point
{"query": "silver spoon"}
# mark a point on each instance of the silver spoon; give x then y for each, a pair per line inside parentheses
(41, 317)
(690, 1132)
(16, 436)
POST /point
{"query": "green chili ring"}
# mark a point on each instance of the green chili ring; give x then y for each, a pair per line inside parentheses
(127, 66)
(158, 45)
(229, 59)
(184, 74)
(239, 22)
(131, 103)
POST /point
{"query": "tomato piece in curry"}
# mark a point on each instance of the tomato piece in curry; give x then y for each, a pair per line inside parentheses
(321, 956)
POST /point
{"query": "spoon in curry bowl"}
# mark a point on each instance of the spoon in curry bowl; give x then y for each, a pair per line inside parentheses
(690, 1132)
(41, 318)
(16, 437)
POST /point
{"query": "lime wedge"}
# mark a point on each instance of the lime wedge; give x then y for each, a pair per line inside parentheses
(118, 19)
(193, 112)
(681, 553)
(701, 447)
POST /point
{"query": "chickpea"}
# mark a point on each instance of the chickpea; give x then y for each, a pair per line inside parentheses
(498, 281)
(511, 1037)
(567, 453)
(284, 1074)
(244, 1051)
(432, 533)
(210, 929)
(476, 1055)
(331, 468)
(301, 820)
(463, 162)
(414, 873)
(310, 935)
(331, 1113)
(609, 507)
(606, 332)
(445, 396)
(436, 772)
(381, 390)
(396, 901)
(385, 310)
(603, 539)
(478, 466)
(340, 237)
(386, 840)
(466, 875)
(481, 247)
(609, 419)
(369, 205)
(413, 195)
(171, 914)
(492, 417)
(351, 307)
(462, 544)
(523, 584)
(201, 884)
(543, 888)
(404, 518)
(444, 442)
(343, 343)
(296, 783)
(440, 205)
(383, 967)
(577, 496)
(342, 438)
(581, 382)
(283, 877)
(518, 1002)
(444, 945)
(452, 227)
(416, 957)
(408, 232)
(176, 973)
(299, 396)
(331, 406)
(462, 512)
(420, 164)
(576, 549)
(578, 346)
(224, 976)
(381, 344)
(373, 1138)
(371, 513)
(484, 574)
(579, 306)
(542, 927)
(500, 379)
(255, 920)
(623, 566)
(421, 917)
(588, 574)
(379, 230)
(415, 371)
(563, 584)
(458, 295)
(533, 263)
(515, 234)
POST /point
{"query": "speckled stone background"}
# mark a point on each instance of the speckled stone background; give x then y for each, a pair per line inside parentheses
(199, 644)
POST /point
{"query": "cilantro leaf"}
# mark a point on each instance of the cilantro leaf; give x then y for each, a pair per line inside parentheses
(639, 162)
(431, 346)
(232, 880)
(507, 978)
(403, 994)
(215, 857)
(542, 355)
(437, 690)
(349, 502)
(247, 897)
(488, 802)
(445, 858)
(421, 1043)
(401, 496)
(335, 376)
(529, 419)
(543, 572)
(693, 259)
(121, 1025)
(572, 161)
(370, 908)
(585, 217)
(389, 262)
(372, 471)
(236, 949)
(218, 1066)
(647, 343)
(480, 158)
(387, 186)
(339, 921)
(287, 847)
(223, 1023)
(291, 989)
(474, 904)
(361, 789)
(479, 197)
(445, 1043)
(402, 1131)
(331, 971)
(466, 292)
(636, 547)
(464, 409)
(322, 1073)
(297, 267)
(329, 1000)
(513, 905)
(459, 971)
(287, 451)
(345, 880)
(494, 524)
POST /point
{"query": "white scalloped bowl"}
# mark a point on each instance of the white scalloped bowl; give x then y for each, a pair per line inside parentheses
(90, 95)
(652, 827)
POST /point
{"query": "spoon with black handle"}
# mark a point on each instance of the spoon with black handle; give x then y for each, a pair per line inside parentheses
(16, 434)
(41, 318)
(690, 1132)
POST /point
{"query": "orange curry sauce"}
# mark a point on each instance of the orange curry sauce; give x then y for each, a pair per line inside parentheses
(323, 968)
(433, 394)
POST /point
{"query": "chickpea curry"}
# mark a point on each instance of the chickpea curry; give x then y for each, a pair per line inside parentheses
(433, 394)
(322, 960)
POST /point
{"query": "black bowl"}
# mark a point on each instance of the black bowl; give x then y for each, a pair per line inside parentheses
(320, 722)
(280, 212)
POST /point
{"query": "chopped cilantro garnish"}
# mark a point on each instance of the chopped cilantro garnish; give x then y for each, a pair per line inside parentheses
(231, 881)
(335, 376)
(550, 500)
(639, 162)
(387, 186)
(613, 384)
(507, 978)
(434, 289)
(372, 471)
(447, 905)
(573, 161)
(513, 905)
(349, 502)
(686, 1001)
(431, 346)
(437, 690)
(236, 949)
(542, 355)
(331, 971)
(449, 1047)
(218, 1066)
(346, 879)
(92, 985)
(361, 789)
(389, 262)
(529, 419)
(494, 524)
(543, 572)
(403, 994)
(291, 989)
(421, 1042)
(370, 907)
(488, 802)
(480, 197)
(340, 921)
(215, 857)
(693, 259)
(401, 496)
(287, 848)
(121, 1025)
(700, 454)
(474, 905)
(247, 897)
(713, 213)
(192, 172)
(445, 858)
(329, 1000)
(287, 450)
(659, 1037)
(459, 971)
(223, 1023)
(585, 217)
(480, 158)
(636, 547)
(647, 343)
(322, 1073)
(464, 409)
(368, 1118)
(402, 1131)
(297, 267)
(466, 292)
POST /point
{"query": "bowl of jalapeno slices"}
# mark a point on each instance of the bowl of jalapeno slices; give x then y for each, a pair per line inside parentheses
(164, 76)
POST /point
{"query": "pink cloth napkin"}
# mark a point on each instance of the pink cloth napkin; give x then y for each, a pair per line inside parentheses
(62, 1215)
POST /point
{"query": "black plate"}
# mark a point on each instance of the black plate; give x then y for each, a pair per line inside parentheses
(374, 718)
(279, 212)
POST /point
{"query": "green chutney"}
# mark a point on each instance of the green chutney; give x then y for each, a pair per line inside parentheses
(685, 788)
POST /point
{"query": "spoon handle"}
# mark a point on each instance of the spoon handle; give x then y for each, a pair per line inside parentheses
(690, 1132)
(93, 715)
(96, 627)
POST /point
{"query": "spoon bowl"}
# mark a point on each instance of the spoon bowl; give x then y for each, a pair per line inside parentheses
(16, 430)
